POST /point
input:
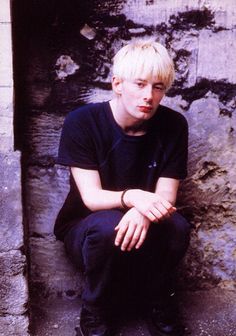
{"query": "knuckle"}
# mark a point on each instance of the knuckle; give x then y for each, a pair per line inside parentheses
(136, 236)
(127, 237)
(134, 240)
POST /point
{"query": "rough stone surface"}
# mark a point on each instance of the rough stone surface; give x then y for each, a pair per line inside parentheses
(6, 82)
(43, 207)
(5, 14)
(6, 78)
(14, 287)
(198, 35)
(13, 295)
(221, 64)
(13, 290)
(54, 275)
(12, 263)
(153, 12)
(14, 325)
(13, 282)
(10, 202)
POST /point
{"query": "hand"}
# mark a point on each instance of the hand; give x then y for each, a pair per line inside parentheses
(150, 205)
(132, 230)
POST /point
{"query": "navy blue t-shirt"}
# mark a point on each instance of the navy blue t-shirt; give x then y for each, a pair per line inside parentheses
(91, 139)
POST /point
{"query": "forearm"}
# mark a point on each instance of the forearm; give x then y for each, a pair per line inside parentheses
(167, 195)
(168, 189)
(151, 205)
(99, 199)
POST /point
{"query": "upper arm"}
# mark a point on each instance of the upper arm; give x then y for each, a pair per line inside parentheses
(175, 148)
(77, 144)
(93, 195)
(87, 181)
(167, 188)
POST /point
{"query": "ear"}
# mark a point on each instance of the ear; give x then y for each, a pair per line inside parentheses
(117, 85)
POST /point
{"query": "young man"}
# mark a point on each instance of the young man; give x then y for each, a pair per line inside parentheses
(119, 222)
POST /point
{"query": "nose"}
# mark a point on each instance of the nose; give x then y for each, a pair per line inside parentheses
(147, 96)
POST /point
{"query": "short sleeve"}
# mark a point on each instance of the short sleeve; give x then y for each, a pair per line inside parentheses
(77, 147)
(176, 153)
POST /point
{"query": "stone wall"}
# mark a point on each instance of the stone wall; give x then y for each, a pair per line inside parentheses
(13, 282)
(64, 51)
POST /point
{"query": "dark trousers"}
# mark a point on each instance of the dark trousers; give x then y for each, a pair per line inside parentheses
(111, 272)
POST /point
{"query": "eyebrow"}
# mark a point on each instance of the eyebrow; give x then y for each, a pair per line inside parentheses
(145, 80)
(159, 83)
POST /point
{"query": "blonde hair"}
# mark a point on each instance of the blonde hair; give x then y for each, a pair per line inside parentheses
(144, 59)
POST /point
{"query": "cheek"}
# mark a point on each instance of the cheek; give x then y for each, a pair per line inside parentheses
(130, 96)
(158, 98)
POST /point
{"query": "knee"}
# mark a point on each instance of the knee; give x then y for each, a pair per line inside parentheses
(180, 223)
(179, 231)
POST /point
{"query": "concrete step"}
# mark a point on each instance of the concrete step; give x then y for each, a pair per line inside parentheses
(206, 313)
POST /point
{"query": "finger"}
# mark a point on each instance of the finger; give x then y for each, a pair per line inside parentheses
(120, 234)
(162, 210)
(117, 227)
(135, 238)
(157, 214)
(151, 216)
(172, 210)
(141, 238)
(128, 237)
(168, 205)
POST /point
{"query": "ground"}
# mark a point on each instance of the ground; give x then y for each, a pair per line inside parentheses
(206, 313)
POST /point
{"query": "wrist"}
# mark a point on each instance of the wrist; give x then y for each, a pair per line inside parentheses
(126, 198)
(123, 200)
(129, 197)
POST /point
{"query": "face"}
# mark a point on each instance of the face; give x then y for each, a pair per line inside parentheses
(139, 98)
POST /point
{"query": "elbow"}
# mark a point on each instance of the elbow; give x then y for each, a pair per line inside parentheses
(90, 202)
(92, 207)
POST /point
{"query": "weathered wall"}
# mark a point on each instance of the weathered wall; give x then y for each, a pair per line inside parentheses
(13, 282)
(201, 38)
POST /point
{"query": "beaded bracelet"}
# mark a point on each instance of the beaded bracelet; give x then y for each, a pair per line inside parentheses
(124, 205)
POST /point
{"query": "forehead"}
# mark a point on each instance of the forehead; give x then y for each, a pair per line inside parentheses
(146, 73)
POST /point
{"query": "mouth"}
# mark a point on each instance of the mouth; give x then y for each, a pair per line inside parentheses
(145, 108)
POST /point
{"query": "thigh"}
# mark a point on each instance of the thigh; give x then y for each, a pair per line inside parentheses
(97, 228)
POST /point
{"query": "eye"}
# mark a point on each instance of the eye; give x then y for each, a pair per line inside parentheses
(140, 84)
(159, 88)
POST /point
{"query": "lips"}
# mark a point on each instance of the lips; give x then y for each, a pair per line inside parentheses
(145, 109)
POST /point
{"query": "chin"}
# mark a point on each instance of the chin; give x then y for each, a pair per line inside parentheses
(147, 116)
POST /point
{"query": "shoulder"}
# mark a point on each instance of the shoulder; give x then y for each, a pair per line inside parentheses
(169, 124)
(167, 114)
(86, 113)
(169, 120)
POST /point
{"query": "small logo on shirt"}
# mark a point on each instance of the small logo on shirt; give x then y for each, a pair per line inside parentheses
(153, 165)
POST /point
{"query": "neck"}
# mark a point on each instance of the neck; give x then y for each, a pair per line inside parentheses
(129, 125)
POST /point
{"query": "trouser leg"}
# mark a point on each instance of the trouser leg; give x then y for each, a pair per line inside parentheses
(90, 244)
(167, 243)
